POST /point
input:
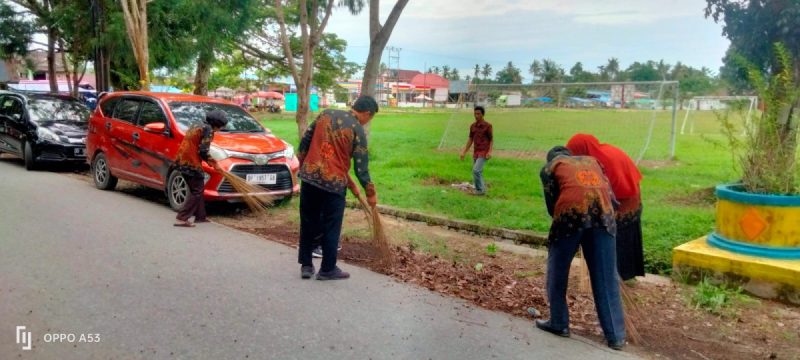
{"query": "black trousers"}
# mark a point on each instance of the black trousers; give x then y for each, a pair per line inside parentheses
(321, 212)
(195, 204)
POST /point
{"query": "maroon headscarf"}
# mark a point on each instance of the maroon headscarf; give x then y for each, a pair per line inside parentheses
(620, 169)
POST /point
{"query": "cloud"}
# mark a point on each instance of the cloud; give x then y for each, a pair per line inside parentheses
(608, 12)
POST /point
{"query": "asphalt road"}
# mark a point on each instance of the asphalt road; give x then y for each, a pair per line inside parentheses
(111, 267)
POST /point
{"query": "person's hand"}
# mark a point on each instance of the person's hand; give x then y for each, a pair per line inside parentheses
(488, 156)
(372, 200)
(462, 156)
(372, 196)
(213, 164)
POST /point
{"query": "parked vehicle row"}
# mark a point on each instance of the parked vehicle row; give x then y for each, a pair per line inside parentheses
(135, 136)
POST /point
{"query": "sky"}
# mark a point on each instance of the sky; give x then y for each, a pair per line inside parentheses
(462, 33)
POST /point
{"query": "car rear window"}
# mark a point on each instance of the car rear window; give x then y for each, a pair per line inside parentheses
(53, 109)
(126, 110)
(108, 106)
(190, 113)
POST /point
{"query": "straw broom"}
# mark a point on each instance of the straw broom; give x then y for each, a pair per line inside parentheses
(631, 311)
(379, 240)
(258, 204)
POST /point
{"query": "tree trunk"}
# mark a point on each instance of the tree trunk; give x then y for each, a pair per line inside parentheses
(203, 71)
(379, 37)
(303, 108)
(51, 59)
(135, 15)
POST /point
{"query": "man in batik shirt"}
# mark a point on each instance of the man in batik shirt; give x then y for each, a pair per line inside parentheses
(328, 146)
(191, 153)
(580, 200)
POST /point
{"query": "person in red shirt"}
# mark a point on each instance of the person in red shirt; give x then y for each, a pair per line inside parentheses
(480, 134)
(334, 141)
(192, 151)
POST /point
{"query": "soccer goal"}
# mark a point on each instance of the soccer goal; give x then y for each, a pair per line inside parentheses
(702, 113)
(638, 117)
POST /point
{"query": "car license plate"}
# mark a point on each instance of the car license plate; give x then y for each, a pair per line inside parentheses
(80, 152)
(267, 179)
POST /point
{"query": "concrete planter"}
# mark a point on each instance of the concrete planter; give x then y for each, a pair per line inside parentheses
(755, 243)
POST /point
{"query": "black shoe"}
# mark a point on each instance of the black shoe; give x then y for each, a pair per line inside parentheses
(616, 345)
(307, 271)
(545, 325)
(335, 274)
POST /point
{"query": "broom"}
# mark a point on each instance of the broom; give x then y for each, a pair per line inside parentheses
(258, 204)
(379, 239)
(631, 311)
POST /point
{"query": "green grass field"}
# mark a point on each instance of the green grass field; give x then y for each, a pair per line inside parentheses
(411, 173)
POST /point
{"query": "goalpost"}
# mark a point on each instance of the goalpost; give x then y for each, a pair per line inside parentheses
(747, 106)
(528, 119)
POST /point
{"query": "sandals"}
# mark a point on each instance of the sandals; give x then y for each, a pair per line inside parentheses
(183, 224)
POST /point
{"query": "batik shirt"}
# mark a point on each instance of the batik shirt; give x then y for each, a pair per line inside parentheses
(578, 196)
(481, 135)
(194, 149)
(326, 150)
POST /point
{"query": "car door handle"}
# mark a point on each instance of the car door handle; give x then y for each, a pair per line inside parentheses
(108, 126)
(135, 136)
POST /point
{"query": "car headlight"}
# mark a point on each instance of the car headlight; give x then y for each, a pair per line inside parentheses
(289, 152)
(46, 134)
(217, 153)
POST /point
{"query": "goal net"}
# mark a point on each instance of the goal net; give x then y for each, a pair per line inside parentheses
(638, 117)
(701, 115)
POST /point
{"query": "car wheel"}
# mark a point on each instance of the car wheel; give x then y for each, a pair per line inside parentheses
(103, 179)
(177, 190)
(27, 155)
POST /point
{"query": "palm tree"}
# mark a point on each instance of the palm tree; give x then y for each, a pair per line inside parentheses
(535, 70)
(487, 71)
(446, 71)
(663, 69)
(454, 75)
(477, 73)
(612, 68)
(551, 71)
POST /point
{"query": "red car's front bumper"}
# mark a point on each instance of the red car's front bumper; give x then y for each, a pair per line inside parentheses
(286, 185)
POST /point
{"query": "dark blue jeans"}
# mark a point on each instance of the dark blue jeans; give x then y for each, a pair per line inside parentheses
(321, 212)
(599, 248)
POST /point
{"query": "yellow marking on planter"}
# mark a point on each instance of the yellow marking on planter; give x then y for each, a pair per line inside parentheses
(699, 254)
(759, 224)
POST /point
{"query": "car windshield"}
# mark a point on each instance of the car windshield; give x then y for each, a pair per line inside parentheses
(54, 109)
(190, 113)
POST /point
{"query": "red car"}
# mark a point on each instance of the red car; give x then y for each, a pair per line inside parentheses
(135, 136)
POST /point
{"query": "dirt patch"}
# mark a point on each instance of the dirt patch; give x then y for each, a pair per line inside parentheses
(702, 197)
(656, 164)
(460, 265)
(466, 266)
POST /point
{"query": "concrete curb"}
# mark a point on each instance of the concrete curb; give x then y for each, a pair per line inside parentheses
(520, 237)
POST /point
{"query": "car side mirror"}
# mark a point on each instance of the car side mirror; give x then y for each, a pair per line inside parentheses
(157, 128)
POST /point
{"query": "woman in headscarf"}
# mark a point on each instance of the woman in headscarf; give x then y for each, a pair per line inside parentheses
(624, 177)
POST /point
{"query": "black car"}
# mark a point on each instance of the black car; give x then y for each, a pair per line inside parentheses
(43, 128)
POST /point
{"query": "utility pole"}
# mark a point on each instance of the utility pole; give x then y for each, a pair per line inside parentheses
(396, 58)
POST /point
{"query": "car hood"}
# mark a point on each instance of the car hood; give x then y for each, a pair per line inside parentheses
(252, 143)
(72, 129)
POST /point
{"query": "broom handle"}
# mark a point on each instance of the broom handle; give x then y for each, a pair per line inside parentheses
(352, 185)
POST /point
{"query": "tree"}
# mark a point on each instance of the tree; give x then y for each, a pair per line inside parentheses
(218, 25)
(312, 25)
(476, 72)
(642, 72)
(509, 75)
(435, 70)
(487, 71)
(663, 69)
(454, 75)
(135, 15)
(535, 70)
(551, 71)
(612, 69)
(42, 11)
(577, 74)
(379, 37)
(446, 71)
(17, 32)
